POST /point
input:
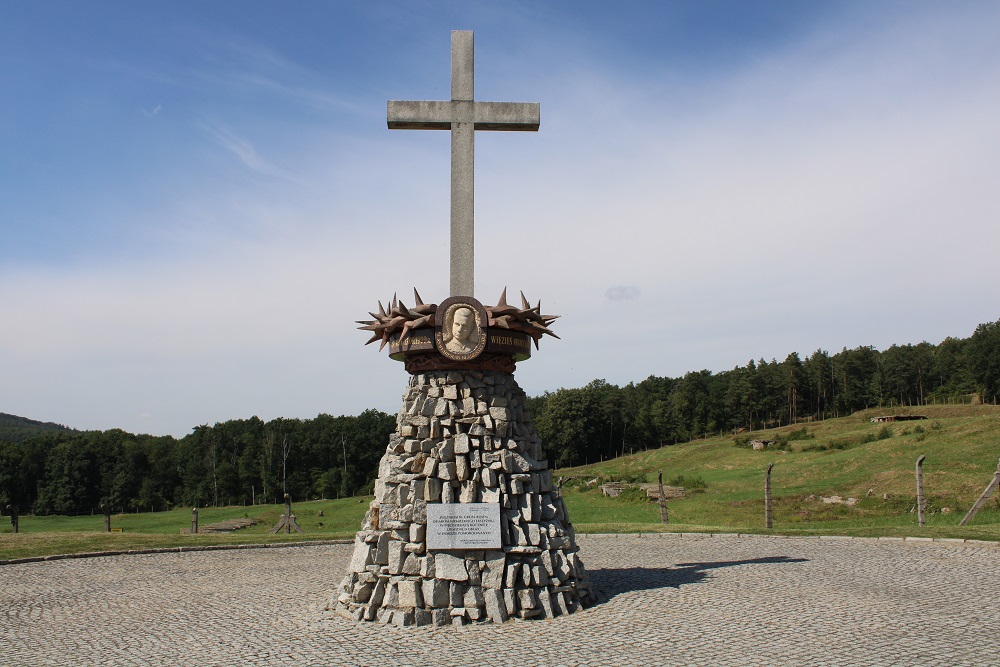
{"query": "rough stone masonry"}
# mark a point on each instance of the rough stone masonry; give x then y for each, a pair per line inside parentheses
(463, 437)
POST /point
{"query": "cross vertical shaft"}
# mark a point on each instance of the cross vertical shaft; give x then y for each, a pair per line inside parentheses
(463, 116)
(463, 164)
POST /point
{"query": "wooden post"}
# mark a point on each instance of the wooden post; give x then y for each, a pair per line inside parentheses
(987, 492)
(13, 516)
(768, 505)
(194, 521)
(663, 501)
(287, 520)
(107, 516)
(921, 503)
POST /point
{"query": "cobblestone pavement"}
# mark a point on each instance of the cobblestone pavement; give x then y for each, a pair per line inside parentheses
(668, 600)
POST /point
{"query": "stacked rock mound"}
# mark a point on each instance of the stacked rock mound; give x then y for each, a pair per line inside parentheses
(463, 437)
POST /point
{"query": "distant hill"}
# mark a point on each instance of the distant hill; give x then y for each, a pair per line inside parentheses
(16, 429)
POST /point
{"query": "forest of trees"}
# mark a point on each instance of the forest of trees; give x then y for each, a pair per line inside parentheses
(60, 471)
(234, 462)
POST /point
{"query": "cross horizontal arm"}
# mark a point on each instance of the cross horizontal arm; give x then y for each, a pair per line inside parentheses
(504, 116)
(420, 115)
(509, 116)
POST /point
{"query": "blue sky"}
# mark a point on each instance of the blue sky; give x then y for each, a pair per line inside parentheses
(197, 200)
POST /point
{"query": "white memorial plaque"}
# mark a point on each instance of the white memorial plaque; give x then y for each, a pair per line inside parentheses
(463, 526)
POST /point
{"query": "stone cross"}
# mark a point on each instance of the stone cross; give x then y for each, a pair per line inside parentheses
(462, 115)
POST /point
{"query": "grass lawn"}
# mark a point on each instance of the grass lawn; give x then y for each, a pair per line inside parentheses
(848, 457)
(46, 535)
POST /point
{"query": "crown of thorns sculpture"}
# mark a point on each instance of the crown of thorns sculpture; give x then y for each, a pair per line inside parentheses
(399, 318)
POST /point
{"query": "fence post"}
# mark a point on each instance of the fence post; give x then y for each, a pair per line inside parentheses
(768, 506)
(921, 503)
(194, 521)
(663, 501)
(13, 516)
(987, 492)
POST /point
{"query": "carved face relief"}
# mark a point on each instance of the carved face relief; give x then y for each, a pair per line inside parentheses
(462, 324)
(462, 334)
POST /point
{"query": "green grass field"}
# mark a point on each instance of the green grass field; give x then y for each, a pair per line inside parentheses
(848, 457)
(842, 457)
(45, 535)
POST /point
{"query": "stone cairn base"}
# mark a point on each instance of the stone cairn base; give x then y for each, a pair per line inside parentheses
(463, 437)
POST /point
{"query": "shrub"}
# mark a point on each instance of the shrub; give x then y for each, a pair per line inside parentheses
(581, 482)
(801, 433)
(633, 494)
(836, 444)
(689, 483)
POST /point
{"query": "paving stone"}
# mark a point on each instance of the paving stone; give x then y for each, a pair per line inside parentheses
(676, 599)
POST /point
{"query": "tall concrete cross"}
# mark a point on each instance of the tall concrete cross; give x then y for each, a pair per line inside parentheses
(463, 115)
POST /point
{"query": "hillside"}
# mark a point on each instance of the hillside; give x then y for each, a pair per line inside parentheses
(848, 457)
(17, 429)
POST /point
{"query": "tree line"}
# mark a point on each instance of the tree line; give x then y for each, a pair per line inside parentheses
(60, 471)
(601, 420)
(234, 462)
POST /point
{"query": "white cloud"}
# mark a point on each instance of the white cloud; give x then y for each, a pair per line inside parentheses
(622, 292)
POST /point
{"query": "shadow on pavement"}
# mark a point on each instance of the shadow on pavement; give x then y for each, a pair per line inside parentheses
(610, 582)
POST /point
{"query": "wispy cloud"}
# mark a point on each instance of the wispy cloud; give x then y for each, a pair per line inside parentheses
(241, 148)
(247, 67)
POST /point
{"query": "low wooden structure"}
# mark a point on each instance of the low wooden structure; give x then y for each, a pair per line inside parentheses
(896, 418)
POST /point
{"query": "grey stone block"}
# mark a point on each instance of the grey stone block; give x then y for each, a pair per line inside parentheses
(463, 470)
(456, 594)
(545, 601)
(382, 549)
(396, 556)
(411, 565)
(510, 601)
(362, 555)
(410, 594)
(474, 597)
(450, 567)
(496, 609)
